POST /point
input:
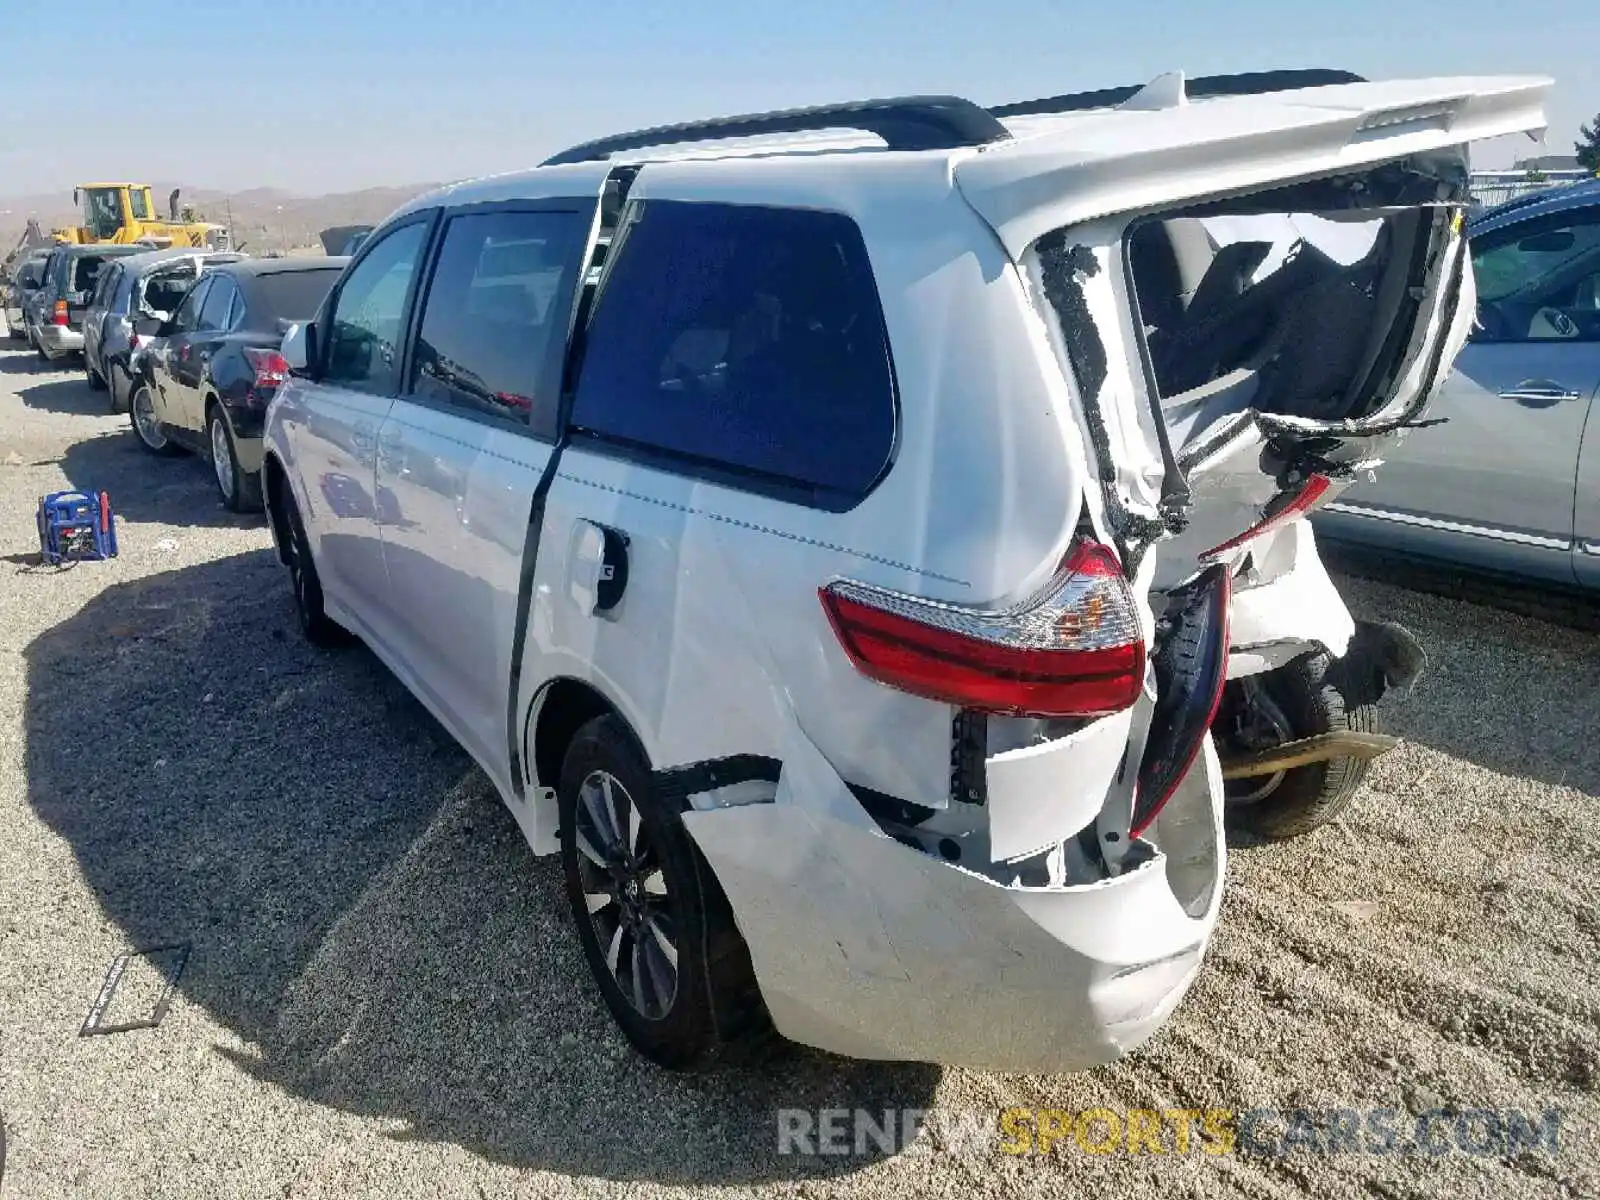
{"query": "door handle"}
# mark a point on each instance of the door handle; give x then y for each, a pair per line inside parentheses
(1537, 393)
(599, 568)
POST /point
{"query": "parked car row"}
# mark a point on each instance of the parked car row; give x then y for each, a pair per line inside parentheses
(875, 567)
(184, 340)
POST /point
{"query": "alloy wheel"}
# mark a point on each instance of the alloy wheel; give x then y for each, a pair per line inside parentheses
(1261, 726)
(144, 420)
(222, 457)
(625, 893)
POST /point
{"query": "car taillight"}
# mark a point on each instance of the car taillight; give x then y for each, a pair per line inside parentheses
(1075, 650)
(133, 341)
(59, 314)
(270, 367)
(1291, 506)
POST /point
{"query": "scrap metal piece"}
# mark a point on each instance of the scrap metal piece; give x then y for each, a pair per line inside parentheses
(108, 990)
(1300, 753)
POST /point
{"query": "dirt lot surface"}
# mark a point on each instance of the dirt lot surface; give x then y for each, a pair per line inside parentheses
(384, 997)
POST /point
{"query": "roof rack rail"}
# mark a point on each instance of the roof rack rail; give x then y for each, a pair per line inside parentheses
(1250, 83)
(904, 123)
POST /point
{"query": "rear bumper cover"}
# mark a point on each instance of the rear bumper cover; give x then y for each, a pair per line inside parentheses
(56, 340)
(870, 949)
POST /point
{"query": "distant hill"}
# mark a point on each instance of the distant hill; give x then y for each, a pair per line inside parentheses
(262, 218)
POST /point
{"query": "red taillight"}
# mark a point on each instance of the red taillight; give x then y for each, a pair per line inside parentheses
(270, 367)
(1300, 503)
(59, 315)
(1075, 650)
(133, 341)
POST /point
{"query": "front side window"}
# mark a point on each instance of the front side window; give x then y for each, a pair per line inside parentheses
(494, 325)
(365, 331)
(746, 339)
(1539, 281)
(139, 202)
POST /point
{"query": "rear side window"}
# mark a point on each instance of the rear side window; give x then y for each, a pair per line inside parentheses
(219, 300)
(748, 341)
(107, 285)
(164, 292)
(86, 273)
(494, 329)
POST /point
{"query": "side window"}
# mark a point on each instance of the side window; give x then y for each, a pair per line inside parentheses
(164, 292)
(1540, 281)
(494, 326)
(106, 286)
(747, 338)
(365, 329)
(214, 312)
(188, 314)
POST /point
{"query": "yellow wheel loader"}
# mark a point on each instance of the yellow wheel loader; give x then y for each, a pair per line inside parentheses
(123, 213)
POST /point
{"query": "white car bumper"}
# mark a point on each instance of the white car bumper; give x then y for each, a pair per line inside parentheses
(867, 948)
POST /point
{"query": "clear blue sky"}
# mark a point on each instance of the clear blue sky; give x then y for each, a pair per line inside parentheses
(330, 95)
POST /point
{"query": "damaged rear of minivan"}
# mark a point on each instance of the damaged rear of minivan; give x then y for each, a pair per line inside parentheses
(1252, 297)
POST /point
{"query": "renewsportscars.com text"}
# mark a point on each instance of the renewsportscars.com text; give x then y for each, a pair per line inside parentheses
(1258, 1132)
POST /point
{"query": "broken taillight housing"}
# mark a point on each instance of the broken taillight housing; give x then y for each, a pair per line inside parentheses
(271, 369)
(1075, 650)
(1293, 506)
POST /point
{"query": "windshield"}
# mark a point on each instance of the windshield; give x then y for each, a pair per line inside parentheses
(102, 211)
(291, 295)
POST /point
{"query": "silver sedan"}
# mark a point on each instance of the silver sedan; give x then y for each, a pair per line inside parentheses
(1510, 480)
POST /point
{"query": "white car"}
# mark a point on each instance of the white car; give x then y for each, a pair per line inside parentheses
(838, 578)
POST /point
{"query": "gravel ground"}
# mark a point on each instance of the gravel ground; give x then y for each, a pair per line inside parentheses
(384, 997)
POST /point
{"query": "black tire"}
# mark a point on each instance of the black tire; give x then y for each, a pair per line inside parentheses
(240, 490)
(318, 628)
(96, 384)
(1304, 798)
(166, 448)
(118, 388)
(714, 1011)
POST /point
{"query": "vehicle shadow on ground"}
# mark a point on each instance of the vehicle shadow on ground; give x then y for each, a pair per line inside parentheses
(62, 393)
(1502, 689)
(363, 911)
(24, 361)
(177, 490)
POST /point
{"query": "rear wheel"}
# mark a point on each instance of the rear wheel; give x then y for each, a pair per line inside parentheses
(117, 388)
(656, 929)
(1293, 702)
(319, 628)
(150, 432)
(92, 377)
(241, 491)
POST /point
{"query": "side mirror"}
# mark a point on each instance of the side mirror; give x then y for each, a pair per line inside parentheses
(297, 347)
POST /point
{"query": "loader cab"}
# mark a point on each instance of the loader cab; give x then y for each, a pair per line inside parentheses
(110, 209)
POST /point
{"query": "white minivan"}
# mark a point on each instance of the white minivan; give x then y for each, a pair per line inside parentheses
(821, 525)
